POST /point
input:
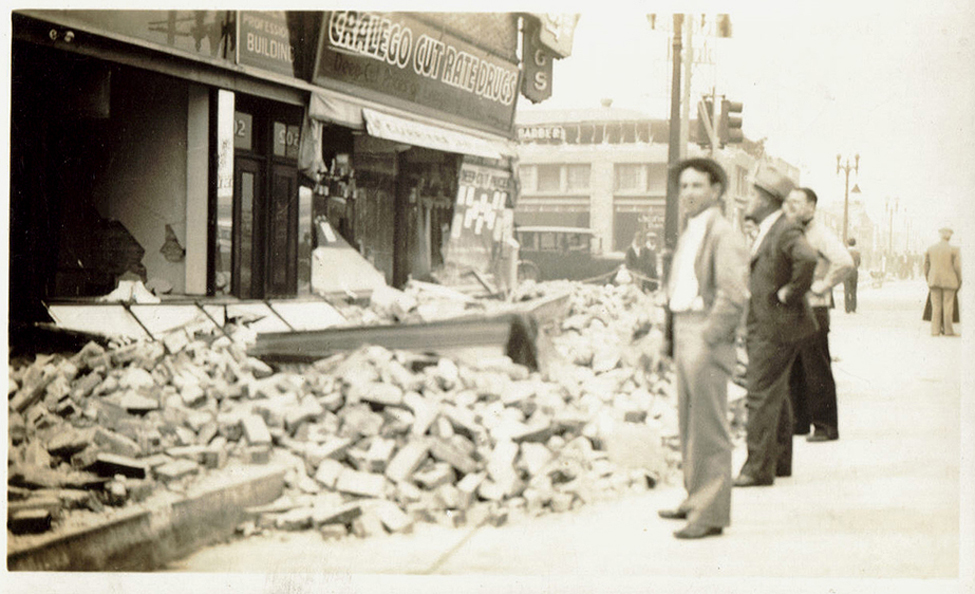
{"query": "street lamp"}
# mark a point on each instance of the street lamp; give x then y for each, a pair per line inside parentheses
(846, 189)
(890, 229)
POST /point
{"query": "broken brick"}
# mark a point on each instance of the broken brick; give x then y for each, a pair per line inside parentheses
(393, 518)
(255, 430)
(405, 462)
(69, 442)
(343, 514)
(176, 469)
(31, 521)
(115, 443)
(445, 452)
(328, 472)
(361, 483)
(439, 474)
(111, 464)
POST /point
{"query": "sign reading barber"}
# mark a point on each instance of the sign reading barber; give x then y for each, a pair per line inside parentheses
(264, 41)
(397, 55)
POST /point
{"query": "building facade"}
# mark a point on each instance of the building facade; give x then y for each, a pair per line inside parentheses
(605, 169)
(201, 150)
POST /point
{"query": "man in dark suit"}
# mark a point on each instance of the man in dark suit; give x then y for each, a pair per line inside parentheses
(642, 260)
(707, 292)
(782, 266)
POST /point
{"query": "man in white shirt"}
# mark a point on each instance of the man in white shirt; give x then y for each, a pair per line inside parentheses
(811, 384)
(707, 291)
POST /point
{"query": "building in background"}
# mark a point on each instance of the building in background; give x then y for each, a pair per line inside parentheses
(605, 168)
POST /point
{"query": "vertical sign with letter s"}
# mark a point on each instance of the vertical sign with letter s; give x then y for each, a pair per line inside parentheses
(537, 82)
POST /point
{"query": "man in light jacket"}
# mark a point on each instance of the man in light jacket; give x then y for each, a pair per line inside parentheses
(707, 290)
(811, 383)
(942, 268)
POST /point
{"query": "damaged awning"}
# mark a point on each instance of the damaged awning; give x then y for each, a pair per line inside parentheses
(334, 108)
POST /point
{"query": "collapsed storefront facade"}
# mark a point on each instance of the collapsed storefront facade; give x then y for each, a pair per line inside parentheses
(202, 151)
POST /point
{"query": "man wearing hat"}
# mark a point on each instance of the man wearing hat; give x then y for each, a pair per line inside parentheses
(942, 268)
(779, 317)
(707, 291)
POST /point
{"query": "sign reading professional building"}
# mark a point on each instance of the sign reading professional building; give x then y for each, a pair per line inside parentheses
(399, 56)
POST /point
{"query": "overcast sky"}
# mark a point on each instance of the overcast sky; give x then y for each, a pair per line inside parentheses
(893, 81)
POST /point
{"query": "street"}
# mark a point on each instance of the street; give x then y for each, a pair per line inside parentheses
(882, 502)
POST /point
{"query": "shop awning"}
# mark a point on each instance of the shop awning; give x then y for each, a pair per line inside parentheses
(331, 107)
(397, 129)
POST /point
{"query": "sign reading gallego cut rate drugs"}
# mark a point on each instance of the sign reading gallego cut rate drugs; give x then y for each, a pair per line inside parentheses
(264, 41)
(398, 55)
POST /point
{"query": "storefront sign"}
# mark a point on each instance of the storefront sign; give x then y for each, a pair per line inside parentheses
(265, 42)
(483, 193)
(537, 83)
(557, 32)
(393, 54)
(542, 134)
(382, 125)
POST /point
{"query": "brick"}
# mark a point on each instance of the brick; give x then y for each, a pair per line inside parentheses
(257, 454)
(215, 455)
(307, 411)
(393, 518)
(408, 492)
(308, 485)
(259, 368)
(443, 428)
(296, 519)
(115, 443)
(405, 462)
(30, 394)
(490, 490)
(136, 378)
(207, 432)
(328, 472)
(342, 514)
(467, 488)
(356, 457)
(379, 454)
(138, 404)
(398, 421)
(188, 452)
(380, 393)
(155, 460)
(561, 502)
(16, 428)
(446, 452)
(463, 421)
(332, 401)
(175, 470)
(369, 524)
(33, 521)
(86, 457)
(84, 387)
(334, 449)
(333, 531)
(439, 474)
(176, 341)
(534, 457)
(111, 464)
(362, 421)
(193, 395)
(255, 431)
(69, 442)
(184, 436)
(361, 483)
(449, 496)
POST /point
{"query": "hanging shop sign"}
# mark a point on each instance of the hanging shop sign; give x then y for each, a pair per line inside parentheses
(482, 214)
(536, 86)
(266, 42)
(557, 31)
(397, 55)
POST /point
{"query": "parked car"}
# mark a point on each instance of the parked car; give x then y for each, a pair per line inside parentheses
(549, 253)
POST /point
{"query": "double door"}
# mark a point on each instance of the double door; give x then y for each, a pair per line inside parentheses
(265, 199)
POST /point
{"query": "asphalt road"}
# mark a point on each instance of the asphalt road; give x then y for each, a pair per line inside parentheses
(882, 502)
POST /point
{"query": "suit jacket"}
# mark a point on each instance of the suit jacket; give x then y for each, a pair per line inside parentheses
(783, 259)
(942, 266)
(721, 268)
(645, 263)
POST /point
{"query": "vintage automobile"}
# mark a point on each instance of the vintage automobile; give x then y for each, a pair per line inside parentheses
(549, 253)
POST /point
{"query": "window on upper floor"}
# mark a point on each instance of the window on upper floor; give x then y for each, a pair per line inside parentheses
(549, 178)
(526, 173)
(577, 176)
(629, 177)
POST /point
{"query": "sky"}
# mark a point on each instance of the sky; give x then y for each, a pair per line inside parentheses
(889, 81)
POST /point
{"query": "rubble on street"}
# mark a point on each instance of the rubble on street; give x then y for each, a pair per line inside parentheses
(374, 440)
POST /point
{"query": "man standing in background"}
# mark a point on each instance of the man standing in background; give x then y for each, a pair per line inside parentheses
(942, 268)
(811, 384)
(850, 283)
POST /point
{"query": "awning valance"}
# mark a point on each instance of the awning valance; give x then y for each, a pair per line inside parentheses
(330, 107)
(397, 129)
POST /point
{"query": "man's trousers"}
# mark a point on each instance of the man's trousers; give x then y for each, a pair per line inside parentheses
(702, 411)
(942, 310)
(850, 292)
(812, 387)
(769, 407)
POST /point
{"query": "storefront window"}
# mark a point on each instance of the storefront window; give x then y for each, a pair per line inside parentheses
(577, 177)
(549, 178)
(628, 176)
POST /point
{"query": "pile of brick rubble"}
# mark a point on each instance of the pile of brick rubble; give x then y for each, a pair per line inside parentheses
(373, 440)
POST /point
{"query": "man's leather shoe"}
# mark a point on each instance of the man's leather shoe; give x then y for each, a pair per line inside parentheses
(672, 514)
(744, 480)
(821, 437)
(782, 473)
(692, 532)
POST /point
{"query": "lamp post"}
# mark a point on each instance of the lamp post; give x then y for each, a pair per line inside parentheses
(846, 189)
(891, 209)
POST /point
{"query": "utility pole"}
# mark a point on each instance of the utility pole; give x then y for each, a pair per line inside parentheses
(846, 192)
(685, 122)
(673, 152)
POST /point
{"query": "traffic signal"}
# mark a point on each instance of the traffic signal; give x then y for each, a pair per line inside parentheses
(705, 109)
(729, 123)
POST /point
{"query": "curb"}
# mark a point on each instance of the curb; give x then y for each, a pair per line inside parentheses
(146, 539)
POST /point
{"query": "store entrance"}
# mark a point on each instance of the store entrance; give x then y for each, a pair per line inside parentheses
(265, 200)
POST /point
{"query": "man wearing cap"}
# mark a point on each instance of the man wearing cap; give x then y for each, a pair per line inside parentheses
(782, 266)
(707, 292)
(811, 385)
(942, 268)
